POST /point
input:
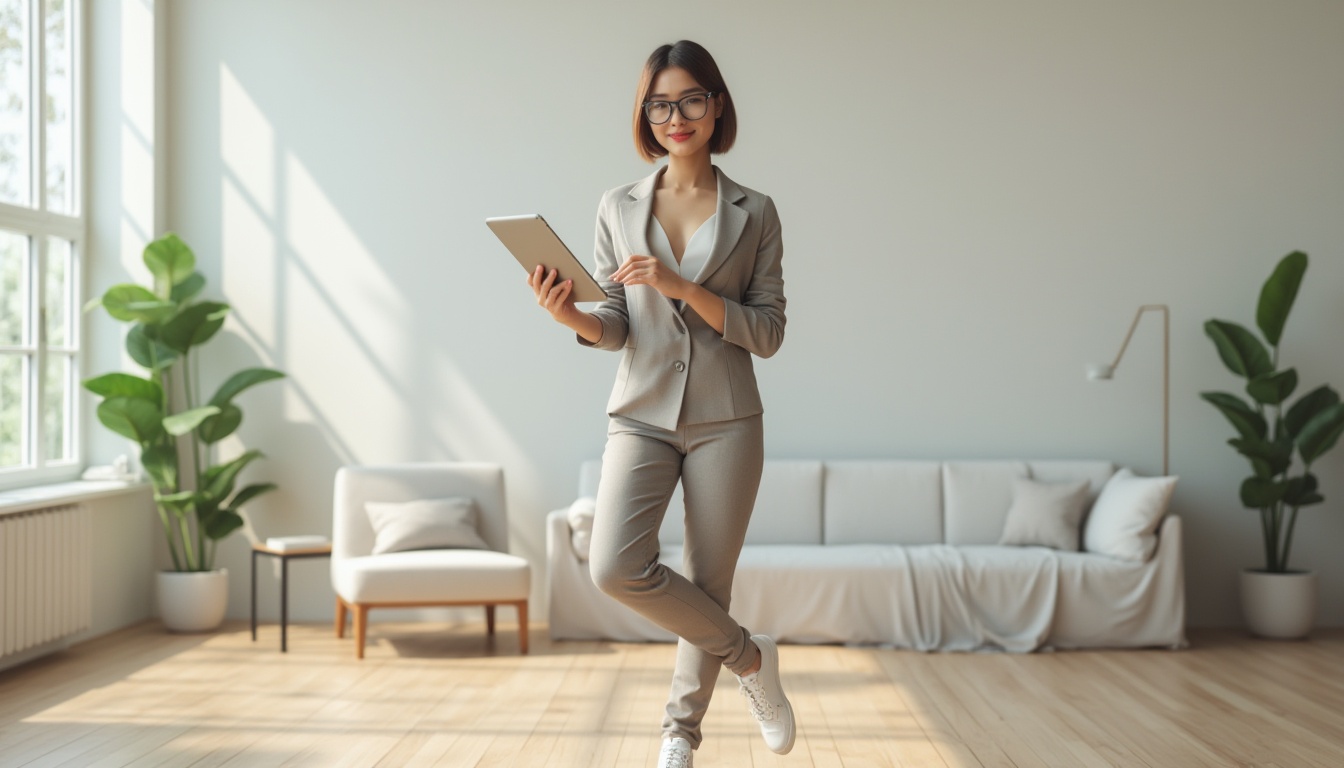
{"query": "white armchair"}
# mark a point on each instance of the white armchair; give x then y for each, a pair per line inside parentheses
(428, 577)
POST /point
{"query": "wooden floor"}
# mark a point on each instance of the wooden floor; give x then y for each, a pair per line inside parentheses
(430, 695)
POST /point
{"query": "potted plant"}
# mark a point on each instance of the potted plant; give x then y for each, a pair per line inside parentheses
(1281, 441)
(163, 413)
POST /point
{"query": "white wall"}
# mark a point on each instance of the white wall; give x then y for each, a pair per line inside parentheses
(975, 197)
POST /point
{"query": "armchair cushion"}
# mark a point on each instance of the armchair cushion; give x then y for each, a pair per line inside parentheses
(432, 576)
(424, 524)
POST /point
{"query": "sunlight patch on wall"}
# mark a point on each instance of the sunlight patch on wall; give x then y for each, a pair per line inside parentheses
(250, 258)
(246, 142)
(137, 133)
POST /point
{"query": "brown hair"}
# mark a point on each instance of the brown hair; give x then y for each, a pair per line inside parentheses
(693, 58)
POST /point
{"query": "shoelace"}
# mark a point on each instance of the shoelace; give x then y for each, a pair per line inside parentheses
(754, 692)
(673, 758)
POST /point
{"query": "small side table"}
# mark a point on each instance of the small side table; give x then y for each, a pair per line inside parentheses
(285, 556)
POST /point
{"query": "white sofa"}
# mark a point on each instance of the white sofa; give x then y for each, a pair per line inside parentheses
(901, 553)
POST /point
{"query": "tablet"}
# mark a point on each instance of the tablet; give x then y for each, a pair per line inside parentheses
(532, 241)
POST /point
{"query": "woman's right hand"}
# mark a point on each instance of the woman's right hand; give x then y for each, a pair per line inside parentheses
(555, 298)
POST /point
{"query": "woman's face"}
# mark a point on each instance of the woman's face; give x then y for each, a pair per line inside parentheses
(680, 136)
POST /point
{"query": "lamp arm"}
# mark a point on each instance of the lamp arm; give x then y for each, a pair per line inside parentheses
(1125, 344)
(1166, 373)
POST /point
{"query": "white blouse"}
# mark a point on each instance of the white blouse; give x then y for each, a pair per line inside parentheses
(697, 248)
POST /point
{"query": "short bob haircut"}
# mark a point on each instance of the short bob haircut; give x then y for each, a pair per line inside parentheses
(693, 58)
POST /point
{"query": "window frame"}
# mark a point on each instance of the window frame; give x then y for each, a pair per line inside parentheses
(40, 225)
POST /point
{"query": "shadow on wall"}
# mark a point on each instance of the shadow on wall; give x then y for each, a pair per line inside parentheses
(369, 380)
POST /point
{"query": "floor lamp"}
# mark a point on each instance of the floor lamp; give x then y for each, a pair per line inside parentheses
(1104, 372)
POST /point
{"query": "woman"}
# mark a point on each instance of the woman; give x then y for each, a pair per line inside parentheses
(691, 265)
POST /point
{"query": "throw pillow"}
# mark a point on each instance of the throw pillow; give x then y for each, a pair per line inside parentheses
(581, 525)
(1124, 520)
(1045, 514)
(424, 524)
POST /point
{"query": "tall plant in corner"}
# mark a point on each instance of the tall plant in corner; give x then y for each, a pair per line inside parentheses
(1272, 433)
(162, 410)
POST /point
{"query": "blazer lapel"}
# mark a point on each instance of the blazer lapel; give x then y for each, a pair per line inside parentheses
(728, 230)
(636, 213)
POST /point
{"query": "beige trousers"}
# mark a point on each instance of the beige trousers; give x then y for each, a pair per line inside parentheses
(719, 465)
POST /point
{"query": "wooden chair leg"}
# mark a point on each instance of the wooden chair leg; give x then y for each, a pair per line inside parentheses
(522, 627)
(361, 626)
(489, 619)
(342, 613)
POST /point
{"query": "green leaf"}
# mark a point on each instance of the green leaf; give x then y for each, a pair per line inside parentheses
(1259, 493)
(194, 325)
(249, 493)
(178, 502)
(241, 381)
(135, 303)
(1246, 421)
(1273, 388)
(1276, 298)
(1307, 406)
(1301, 491)
(1276, 457)
(170, 261)
(1321, 433)
(187, 289)
(132, 417)
(218, 481)
(143, 349)
(221, 524)
(1240, 350)
(160, 462)
(220, 426)
(181, 423)
(93, 304)
(125, 385)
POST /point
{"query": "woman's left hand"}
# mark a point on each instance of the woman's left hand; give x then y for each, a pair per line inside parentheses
(648, 270)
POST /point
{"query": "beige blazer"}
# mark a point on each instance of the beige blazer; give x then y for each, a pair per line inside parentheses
(676, 369)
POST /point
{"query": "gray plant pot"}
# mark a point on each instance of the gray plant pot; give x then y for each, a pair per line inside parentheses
(1281, 606)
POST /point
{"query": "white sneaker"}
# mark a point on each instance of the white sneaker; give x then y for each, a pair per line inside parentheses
(676, 753)
(765, 695)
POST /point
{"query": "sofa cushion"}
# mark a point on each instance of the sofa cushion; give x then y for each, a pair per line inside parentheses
(1045, 514)
(788, 505)
(883, 502)
(1096, 473)
(976, 497)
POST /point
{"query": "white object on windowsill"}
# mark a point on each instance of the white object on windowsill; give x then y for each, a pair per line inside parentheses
(120, 469)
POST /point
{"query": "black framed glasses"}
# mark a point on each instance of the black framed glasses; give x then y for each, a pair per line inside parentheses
(691, 107)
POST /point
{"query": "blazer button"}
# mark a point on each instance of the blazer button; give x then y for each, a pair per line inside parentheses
(680, 366)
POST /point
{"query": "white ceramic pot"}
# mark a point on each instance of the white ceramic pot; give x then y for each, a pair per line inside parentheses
(1281, 606)
(193, 601)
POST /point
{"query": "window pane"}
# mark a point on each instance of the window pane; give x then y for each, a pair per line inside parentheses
(15, 132)
(57, 287)
(56, 107)
(55, 409)
(13, 289)
(12, 410)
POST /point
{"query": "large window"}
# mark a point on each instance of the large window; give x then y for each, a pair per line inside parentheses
(41, 239)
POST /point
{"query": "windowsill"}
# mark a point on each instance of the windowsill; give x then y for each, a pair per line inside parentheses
(35, 497)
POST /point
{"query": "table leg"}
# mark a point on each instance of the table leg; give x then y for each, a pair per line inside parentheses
(284, 604)
(254, 595)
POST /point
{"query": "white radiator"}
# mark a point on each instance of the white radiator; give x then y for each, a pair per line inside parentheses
(46, 582)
